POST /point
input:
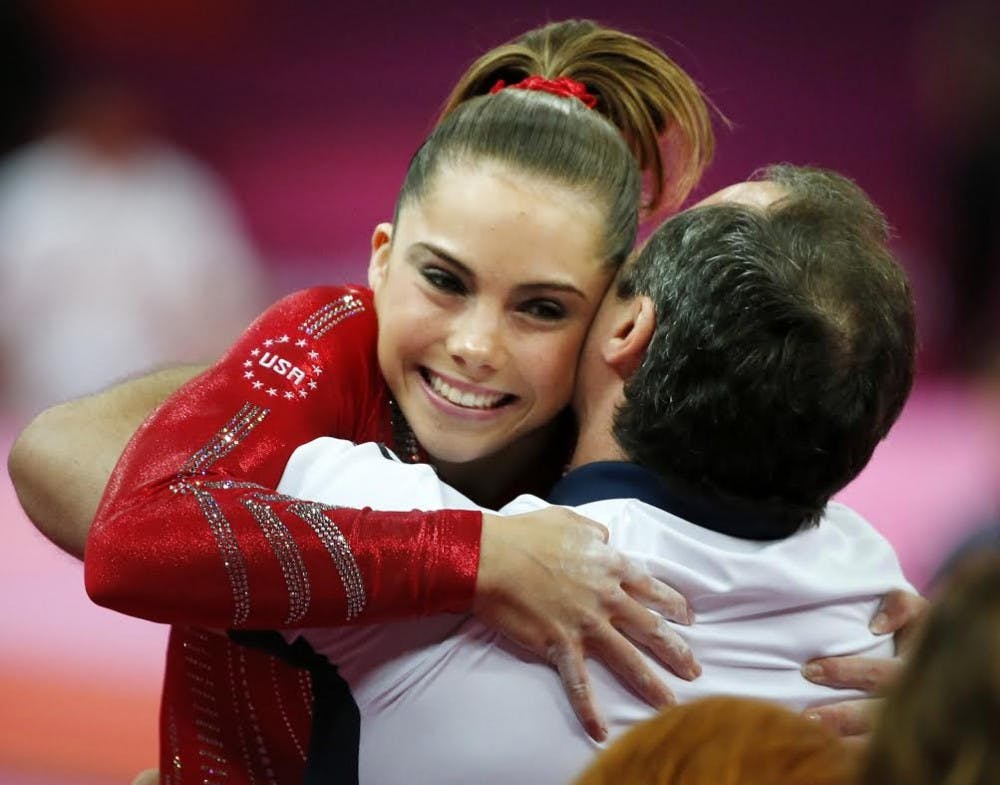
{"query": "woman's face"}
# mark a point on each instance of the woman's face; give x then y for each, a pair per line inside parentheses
(484, 292)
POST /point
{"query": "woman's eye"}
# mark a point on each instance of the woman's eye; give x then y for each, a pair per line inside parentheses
(443, 280)
(546, 310)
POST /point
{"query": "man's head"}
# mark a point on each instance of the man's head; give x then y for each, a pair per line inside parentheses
(783, 345)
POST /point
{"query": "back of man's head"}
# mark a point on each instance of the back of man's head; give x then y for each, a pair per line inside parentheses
(783, 351)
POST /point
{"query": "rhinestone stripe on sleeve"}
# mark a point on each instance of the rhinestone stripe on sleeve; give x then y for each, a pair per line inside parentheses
(340, 551)
(292, 566)
(321, 321)
(228, 485)
(232, 556)
(231, 434)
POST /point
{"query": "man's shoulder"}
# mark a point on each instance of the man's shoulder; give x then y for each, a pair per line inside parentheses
(849, 542)
(838, 515)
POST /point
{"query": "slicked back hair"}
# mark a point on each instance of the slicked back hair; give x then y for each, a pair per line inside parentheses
(643, 102)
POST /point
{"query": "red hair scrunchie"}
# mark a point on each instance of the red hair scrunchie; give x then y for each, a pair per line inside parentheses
(563, 86)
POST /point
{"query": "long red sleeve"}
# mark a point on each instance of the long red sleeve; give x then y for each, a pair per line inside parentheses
(191, 530)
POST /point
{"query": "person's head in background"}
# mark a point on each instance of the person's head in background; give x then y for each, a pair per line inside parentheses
(512, 220)
(941, 721)
(782, 350)
(724, 741)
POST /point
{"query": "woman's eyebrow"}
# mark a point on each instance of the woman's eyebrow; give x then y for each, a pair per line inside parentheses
(440, 253)
(549, 286)
(526, 288)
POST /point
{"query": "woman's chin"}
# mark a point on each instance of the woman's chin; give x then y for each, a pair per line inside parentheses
(451, 452)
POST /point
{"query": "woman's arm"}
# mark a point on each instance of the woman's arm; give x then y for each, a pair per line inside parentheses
(191, 529)
(62, 460)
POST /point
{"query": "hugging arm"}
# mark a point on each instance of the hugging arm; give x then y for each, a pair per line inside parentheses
(62, 460)
(191, 530)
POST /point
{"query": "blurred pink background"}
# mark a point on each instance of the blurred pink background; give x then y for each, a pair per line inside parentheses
(307, 113)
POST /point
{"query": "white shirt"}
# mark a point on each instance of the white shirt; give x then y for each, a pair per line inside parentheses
(445, 700)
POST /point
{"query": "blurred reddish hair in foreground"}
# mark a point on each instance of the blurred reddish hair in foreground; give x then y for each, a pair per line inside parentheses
(725, 741)
(941, 720)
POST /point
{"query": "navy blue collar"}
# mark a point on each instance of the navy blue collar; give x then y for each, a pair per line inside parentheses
(604, 480)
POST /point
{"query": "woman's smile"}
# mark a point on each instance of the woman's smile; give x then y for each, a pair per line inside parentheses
(463, 394)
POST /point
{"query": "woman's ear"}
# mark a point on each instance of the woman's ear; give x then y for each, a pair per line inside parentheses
(632, 331)
(378, 263)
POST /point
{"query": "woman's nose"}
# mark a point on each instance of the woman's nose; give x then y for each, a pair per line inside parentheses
(476, 342)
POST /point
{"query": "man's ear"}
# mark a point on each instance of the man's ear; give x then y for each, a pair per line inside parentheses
(632, 331)
(378, 263)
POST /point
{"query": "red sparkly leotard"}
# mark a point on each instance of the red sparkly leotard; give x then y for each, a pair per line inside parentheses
(191, 531)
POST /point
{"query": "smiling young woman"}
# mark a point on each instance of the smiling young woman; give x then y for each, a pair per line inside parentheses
(511, 220)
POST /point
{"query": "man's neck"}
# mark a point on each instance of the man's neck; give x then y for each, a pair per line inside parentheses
(595, 440)
(607, 480)
(596, 444)
(593, 446)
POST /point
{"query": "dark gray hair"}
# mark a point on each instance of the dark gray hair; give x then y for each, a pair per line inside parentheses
(784, 348)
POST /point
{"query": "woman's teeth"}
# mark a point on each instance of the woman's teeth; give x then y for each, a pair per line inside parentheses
(467, 399)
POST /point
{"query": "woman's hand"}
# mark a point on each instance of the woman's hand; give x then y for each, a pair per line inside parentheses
(901, 614)
(549, 581)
